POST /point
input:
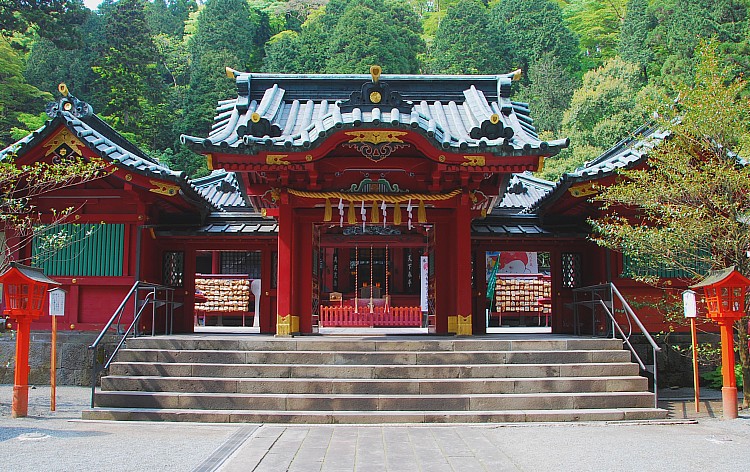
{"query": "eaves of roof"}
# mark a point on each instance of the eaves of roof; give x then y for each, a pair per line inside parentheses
(626, 154)
(106, 143)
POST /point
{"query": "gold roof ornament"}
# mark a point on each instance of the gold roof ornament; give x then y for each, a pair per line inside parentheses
(375, 71)
(517, 74)
(63, 89)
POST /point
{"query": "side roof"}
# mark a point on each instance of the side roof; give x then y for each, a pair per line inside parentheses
(275, 112)
(522, 192)
(79, 118)
(626, 154)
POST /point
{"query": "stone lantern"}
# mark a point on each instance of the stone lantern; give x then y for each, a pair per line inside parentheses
(725, 291)
(24, 291)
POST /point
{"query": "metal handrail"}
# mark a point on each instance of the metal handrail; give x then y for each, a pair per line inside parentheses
(631, 318)
(140, 306)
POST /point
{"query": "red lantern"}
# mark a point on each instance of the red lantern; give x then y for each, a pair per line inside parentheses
(725, 292)
(24, 291)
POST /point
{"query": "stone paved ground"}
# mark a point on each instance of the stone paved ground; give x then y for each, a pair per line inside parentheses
(59, 441)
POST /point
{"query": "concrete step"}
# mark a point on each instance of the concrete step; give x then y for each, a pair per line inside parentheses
(308, 371)
(401, 402)
(374, 417)
(327, 386)
(375, 357)
(368, 344)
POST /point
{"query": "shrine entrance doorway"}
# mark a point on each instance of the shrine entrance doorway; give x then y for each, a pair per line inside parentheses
(374, 276)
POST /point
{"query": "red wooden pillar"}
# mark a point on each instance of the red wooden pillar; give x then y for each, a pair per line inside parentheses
(303, 271)
(20, 404)
(285, 265)
(462, 257)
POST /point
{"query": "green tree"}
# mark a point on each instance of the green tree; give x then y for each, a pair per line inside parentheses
(56, 20)
(597, 24)
(531, 28)
(466, 44)
(602, 112)
(692, 199)
(366, 35)
(549, 93)
(18, 96)
(680, 25)
(169, 16)
(636, 26)
(128, 72)
(228, 34)
(348, 36)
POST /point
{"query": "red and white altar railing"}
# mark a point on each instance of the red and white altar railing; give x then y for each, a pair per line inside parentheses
(379, 316)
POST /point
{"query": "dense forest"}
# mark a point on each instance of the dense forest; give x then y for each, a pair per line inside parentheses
(155, 69)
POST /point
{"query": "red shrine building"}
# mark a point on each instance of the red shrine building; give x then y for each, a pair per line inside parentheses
(334, 200)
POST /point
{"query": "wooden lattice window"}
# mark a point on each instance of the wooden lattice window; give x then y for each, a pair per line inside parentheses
(174, 269)
(241, 263)
(571, 269)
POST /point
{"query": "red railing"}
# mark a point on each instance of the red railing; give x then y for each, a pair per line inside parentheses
(380, 316)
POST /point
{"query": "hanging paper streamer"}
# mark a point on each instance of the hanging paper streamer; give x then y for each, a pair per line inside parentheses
(397, 214)
(421, 213)
(363, 213)
(341, 213)
(383, 208)
(352, 217)
(408, 213)
(327, 213)
(375, 212)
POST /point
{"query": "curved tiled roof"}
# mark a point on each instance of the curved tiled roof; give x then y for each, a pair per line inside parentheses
(107, 143)
(223, 190)
(624, 155)
(296, 112)
(523, 191)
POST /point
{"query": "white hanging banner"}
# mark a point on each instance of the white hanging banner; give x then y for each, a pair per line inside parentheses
(383, 209)
(341, 213)
(363, 212)
(424, 264)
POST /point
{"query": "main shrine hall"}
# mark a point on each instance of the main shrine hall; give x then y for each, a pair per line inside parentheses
(336, 200)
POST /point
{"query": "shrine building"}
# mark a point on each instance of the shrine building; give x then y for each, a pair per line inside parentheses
(335, 201)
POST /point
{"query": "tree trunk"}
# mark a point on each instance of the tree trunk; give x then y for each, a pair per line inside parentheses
(742, 336)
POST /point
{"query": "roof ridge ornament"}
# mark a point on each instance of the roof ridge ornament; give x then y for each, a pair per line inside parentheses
(375, 94)
(69, 104)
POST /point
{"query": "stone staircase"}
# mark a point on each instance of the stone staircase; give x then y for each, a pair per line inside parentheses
(260, 379)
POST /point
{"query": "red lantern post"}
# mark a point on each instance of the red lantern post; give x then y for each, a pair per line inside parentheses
(725, 292)
(24, 291)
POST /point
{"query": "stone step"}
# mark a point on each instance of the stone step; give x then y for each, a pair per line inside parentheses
(328, 386)
(374, 417)
(307, 371)
(403, 402)
(375, 357)
(353, 343)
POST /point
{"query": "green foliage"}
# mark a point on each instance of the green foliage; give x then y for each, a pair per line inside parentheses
(602, 112)
(636, 25)
(531, 28)
(466, 44)
(716, 380)
(18, 96)
(169, 16)
(228, 34)
(597, 24)
(55, 20)
(549, 93)
(680, 26)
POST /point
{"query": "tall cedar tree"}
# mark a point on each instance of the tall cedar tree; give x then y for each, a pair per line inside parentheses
(228, 34)
(56, 20)
(637, 24)
(531, 28)
(128, 72)
(349, 36)
(466, 44)
(689, 207)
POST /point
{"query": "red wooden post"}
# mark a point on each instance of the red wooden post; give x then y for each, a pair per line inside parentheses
(285, 263)
(462, 257)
